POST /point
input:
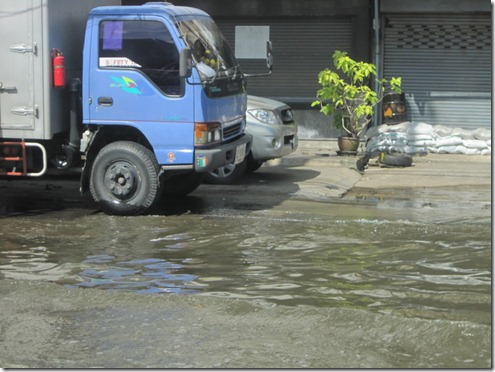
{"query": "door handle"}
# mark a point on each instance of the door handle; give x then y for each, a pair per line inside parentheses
(7, 89)
(105, 101)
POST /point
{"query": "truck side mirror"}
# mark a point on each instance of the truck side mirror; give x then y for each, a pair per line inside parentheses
(185, 63)
(269, 55)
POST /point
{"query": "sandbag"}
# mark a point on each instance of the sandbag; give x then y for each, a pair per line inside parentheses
(467, 151)
(442, 130)
(463, 133)
(420, 128)
(448, 141)
(401, 127)
(422, 143)
(482, 134)
(487, 151)
(421, 137)
(475, 144)
(418, 138)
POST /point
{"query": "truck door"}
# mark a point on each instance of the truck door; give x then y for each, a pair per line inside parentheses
(135, 81)
(20, 57)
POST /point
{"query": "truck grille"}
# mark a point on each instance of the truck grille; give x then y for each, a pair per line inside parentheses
(232, 131)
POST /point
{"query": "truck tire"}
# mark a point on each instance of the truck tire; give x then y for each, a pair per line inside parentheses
(125, 179)
(395, 160)
(226, 175)
(182, 184)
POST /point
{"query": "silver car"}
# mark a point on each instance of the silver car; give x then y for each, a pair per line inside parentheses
(274, 132)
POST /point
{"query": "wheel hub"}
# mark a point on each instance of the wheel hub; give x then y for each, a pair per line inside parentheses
(122, 180)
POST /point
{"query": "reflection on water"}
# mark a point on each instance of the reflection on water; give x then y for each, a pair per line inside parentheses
(391, 266)
(144, 276)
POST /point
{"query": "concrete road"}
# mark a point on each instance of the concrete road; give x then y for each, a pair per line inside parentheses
(313, 173)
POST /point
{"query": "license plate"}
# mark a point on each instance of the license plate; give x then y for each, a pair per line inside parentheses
(240, 153)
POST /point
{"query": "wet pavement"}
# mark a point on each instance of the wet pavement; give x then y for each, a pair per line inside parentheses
(305, 263)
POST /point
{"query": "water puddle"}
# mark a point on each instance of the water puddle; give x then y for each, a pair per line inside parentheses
(395, 265)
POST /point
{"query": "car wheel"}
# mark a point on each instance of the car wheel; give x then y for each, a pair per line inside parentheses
(253, 165)
(226, 175)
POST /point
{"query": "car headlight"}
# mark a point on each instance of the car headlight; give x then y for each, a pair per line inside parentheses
(265, 116)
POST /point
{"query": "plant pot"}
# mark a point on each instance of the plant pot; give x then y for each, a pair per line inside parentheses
(348, 145)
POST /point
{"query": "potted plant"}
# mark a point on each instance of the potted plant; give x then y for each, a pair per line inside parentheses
(345, 92)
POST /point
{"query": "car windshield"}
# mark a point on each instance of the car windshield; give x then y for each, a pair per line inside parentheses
(211, 52)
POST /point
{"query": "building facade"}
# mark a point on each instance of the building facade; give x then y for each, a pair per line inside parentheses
(441, 49)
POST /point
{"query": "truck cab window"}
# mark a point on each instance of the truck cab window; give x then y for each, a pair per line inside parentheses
(143, 45)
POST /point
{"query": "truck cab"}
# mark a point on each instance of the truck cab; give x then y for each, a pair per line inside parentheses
(164, 75)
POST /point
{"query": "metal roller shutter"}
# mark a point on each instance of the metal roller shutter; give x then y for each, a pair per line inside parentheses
(445, 63)
(302, 47)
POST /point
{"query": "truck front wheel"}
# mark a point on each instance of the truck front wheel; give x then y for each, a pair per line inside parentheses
(125, 179)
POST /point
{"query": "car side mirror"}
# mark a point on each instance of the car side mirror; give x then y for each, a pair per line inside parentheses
(185, 63)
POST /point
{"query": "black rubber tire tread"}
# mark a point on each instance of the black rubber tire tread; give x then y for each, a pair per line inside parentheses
(142, 161)
(220, 177)
(395, 160)
(253, 165)
(182, 184)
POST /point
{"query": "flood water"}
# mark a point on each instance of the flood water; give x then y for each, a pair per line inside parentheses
(427, 265)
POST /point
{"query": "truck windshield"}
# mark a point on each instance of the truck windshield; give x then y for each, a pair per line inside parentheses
(212, 54)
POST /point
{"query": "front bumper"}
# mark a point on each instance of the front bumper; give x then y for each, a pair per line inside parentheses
(272, 142)
(207, 160)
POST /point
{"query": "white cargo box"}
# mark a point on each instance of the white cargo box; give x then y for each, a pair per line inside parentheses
(30, 107)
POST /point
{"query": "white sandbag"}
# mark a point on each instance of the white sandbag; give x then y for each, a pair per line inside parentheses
(487, 151)
(463, 133)
(422, 143)
(411, 150)
(376, 131)
(415, 150)
(442, 130)
(375, 145)
(448, 141)
(475, 144)
(422, 137)
(469, 151)
(420, 128)
(447, 149)
(377, 148)
(390, 139)
(401, 127)
(482, 134)
(396, 149)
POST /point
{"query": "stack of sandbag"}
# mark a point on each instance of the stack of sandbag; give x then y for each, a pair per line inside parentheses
(462, 141)
(421, 138)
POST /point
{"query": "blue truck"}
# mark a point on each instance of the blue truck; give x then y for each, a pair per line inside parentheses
(143, 100)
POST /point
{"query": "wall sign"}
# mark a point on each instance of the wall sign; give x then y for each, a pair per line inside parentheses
(250, 41)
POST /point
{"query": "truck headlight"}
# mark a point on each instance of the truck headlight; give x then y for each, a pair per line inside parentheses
(207, 133)
(265, 116)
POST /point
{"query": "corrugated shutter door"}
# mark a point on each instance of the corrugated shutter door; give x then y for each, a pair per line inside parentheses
(445, 63)
(302, 47)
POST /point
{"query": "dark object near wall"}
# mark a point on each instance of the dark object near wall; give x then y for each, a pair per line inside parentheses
(394, 108)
